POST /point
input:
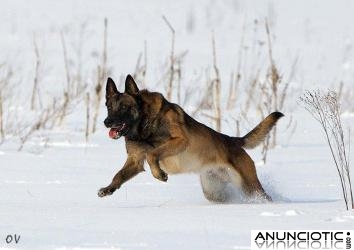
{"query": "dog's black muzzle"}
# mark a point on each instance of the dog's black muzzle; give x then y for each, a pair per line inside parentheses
(108, 122)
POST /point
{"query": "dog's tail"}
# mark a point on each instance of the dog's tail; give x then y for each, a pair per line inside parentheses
(259, 133)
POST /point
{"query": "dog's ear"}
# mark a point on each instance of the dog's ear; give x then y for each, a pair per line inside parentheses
(111, 88)
(130, 86)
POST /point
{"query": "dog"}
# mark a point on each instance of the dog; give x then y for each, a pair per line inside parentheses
(172, 142)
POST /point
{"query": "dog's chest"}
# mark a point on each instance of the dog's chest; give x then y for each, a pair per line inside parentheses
(184, 162)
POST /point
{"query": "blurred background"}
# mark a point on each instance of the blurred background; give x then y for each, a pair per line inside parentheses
(205, 55)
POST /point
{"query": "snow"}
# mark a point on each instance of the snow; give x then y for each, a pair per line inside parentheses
(48, 191)
(50, 199)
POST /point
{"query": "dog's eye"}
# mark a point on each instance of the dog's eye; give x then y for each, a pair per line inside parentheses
(123, 107)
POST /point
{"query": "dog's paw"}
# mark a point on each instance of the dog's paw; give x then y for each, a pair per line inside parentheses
(159, 174)
(162, 176)
(105, 191)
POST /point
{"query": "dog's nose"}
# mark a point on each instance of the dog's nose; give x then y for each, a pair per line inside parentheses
(107, 122)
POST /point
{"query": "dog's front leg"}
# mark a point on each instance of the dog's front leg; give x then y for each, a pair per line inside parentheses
(169, 148)
(131, 168)
(156, 171)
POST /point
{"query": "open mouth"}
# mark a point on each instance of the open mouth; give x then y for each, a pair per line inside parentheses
(116, 132)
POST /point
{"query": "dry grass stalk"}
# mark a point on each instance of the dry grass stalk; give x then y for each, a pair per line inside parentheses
(250, 93)
(66, 95)
(265, 149)
(36, 75)
(138, 67)
(234, 84)
(326, 110)
(238, 133)
(140, 70)
(275, 79)
(2, 132)
(265, 105)
(66, 101)
(74, 88)
(172, 60)
(145, 64)
(78, 86)
(285, 89)
(291, 126)
(178, 71)
(6, 90)
(66, 63)
(216, 88)
(101, 76)
(236, 77)
(179, 79)
(232, 97)
(205, 102)
(87, 128)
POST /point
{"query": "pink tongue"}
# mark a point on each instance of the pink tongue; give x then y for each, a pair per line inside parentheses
(113, 133)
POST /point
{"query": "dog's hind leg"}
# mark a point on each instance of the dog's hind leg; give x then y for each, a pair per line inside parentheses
(244, 166)
(214, 185)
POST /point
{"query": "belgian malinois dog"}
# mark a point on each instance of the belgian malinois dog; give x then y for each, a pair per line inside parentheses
(172, 142)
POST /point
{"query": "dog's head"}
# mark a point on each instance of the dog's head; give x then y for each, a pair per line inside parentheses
(123, 108)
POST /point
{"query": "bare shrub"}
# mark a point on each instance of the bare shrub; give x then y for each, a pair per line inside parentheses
(44, 119)
(325, 108)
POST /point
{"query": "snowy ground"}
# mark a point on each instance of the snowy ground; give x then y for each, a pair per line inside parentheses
(48, 193)
(49, 198)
